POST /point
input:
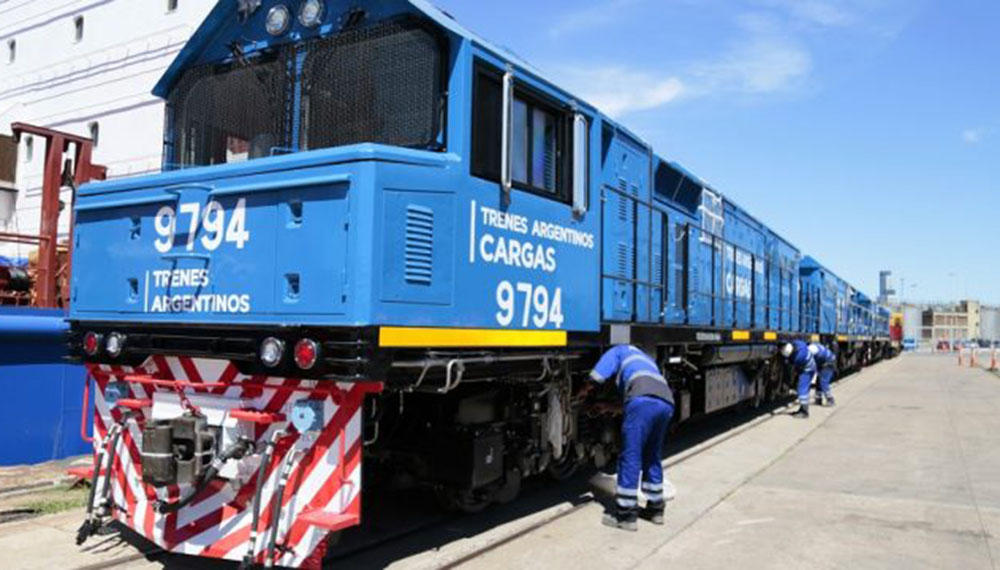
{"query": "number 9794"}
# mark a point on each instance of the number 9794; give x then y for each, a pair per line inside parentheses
(210, 222)
(532, 303)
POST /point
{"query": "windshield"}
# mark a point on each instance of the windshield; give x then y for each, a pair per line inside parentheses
(229, 113)
(380, 84)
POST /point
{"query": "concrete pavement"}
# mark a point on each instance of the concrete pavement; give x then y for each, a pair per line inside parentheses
(905, 472)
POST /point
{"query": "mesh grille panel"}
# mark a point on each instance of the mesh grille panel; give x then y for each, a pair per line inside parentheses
(380, 84)
(231, 113)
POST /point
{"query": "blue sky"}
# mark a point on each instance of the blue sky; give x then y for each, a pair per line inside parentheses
(867, 132)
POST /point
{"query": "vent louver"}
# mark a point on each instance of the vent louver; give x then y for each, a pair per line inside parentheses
(623, 208)
(624, 255)
(419, 248)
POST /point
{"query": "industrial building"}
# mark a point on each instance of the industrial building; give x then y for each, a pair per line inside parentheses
(86, 69)
(932, 324)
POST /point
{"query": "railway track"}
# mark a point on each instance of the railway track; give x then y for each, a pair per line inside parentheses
(693, 443)
(697, 440)
(679, 459)
(575, 508)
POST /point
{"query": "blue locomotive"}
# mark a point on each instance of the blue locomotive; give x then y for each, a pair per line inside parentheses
(380, 239)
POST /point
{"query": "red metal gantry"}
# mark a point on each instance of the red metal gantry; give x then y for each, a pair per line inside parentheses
(56, 172)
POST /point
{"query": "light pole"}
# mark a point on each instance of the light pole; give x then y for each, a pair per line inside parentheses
(953, 275)
(902, 290)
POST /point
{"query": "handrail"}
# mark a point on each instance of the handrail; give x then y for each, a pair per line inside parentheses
(176, 189)
(139, 201)
(283, 183)
(176, 256)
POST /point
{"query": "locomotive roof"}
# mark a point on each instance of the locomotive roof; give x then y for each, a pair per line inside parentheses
(810, 262)
(221, 27)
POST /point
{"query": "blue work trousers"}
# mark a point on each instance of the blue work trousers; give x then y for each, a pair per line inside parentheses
(643, 432)
(805, 382)
(826, 374)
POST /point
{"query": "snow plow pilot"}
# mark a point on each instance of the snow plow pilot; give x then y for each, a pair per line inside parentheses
(648, 408)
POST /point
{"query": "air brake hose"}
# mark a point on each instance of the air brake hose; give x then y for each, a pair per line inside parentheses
(112, 454)
(234, 451)
(265, 460)
(91, 524)
(279, 494)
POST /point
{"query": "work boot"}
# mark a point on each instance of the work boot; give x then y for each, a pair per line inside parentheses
(625, 519)
(653, 512)
(802, 412)
(819, 400)
(830, 402)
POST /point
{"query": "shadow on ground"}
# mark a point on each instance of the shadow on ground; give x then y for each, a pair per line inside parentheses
(400, 524)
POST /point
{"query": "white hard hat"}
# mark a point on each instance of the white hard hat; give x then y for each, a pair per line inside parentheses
(787, 350)
(814, 349)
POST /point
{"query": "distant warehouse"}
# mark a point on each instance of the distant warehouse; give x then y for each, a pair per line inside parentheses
(936, 323)
(77, 68)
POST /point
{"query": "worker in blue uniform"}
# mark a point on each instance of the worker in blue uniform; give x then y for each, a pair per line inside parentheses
(801, 358)
(649, 406)
(826, 362)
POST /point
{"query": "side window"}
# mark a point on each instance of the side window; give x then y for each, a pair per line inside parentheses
(536, 163)
(667, 181)
(487, 108)
(8, 161)
(540, 140)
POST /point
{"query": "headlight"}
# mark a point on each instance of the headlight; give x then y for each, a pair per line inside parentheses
(311, 13)
(271, 351)
(278, 20)
(115, 344)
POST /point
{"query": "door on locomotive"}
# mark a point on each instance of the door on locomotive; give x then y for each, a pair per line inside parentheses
(533, 244)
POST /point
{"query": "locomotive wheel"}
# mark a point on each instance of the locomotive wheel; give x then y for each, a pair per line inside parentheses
(466, 501)
(566, 466)
(511, 487)
(332, 540)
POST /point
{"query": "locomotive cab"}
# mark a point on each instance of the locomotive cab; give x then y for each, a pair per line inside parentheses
(349, 179)
(355, 198)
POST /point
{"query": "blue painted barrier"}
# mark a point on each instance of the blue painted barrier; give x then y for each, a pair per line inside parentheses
(42, 394)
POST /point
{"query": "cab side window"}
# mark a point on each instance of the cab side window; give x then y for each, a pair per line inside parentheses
(540, 142)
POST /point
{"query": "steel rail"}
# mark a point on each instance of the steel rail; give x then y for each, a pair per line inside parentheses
(444, 520)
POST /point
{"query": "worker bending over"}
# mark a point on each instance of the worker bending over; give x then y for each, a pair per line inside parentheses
(826, 362)
(801, 358)
(649, 405)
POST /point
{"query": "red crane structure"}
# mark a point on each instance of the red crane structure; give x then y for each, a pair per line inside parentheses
(61, 169)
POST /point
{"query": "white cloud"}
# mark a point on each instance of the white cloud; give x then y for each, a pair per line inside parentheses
(618, 90)
(873, 18)
(975, 135)
(825, 13)
(759, 65)
(602, 13)
(763, 61)
(768, 53)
